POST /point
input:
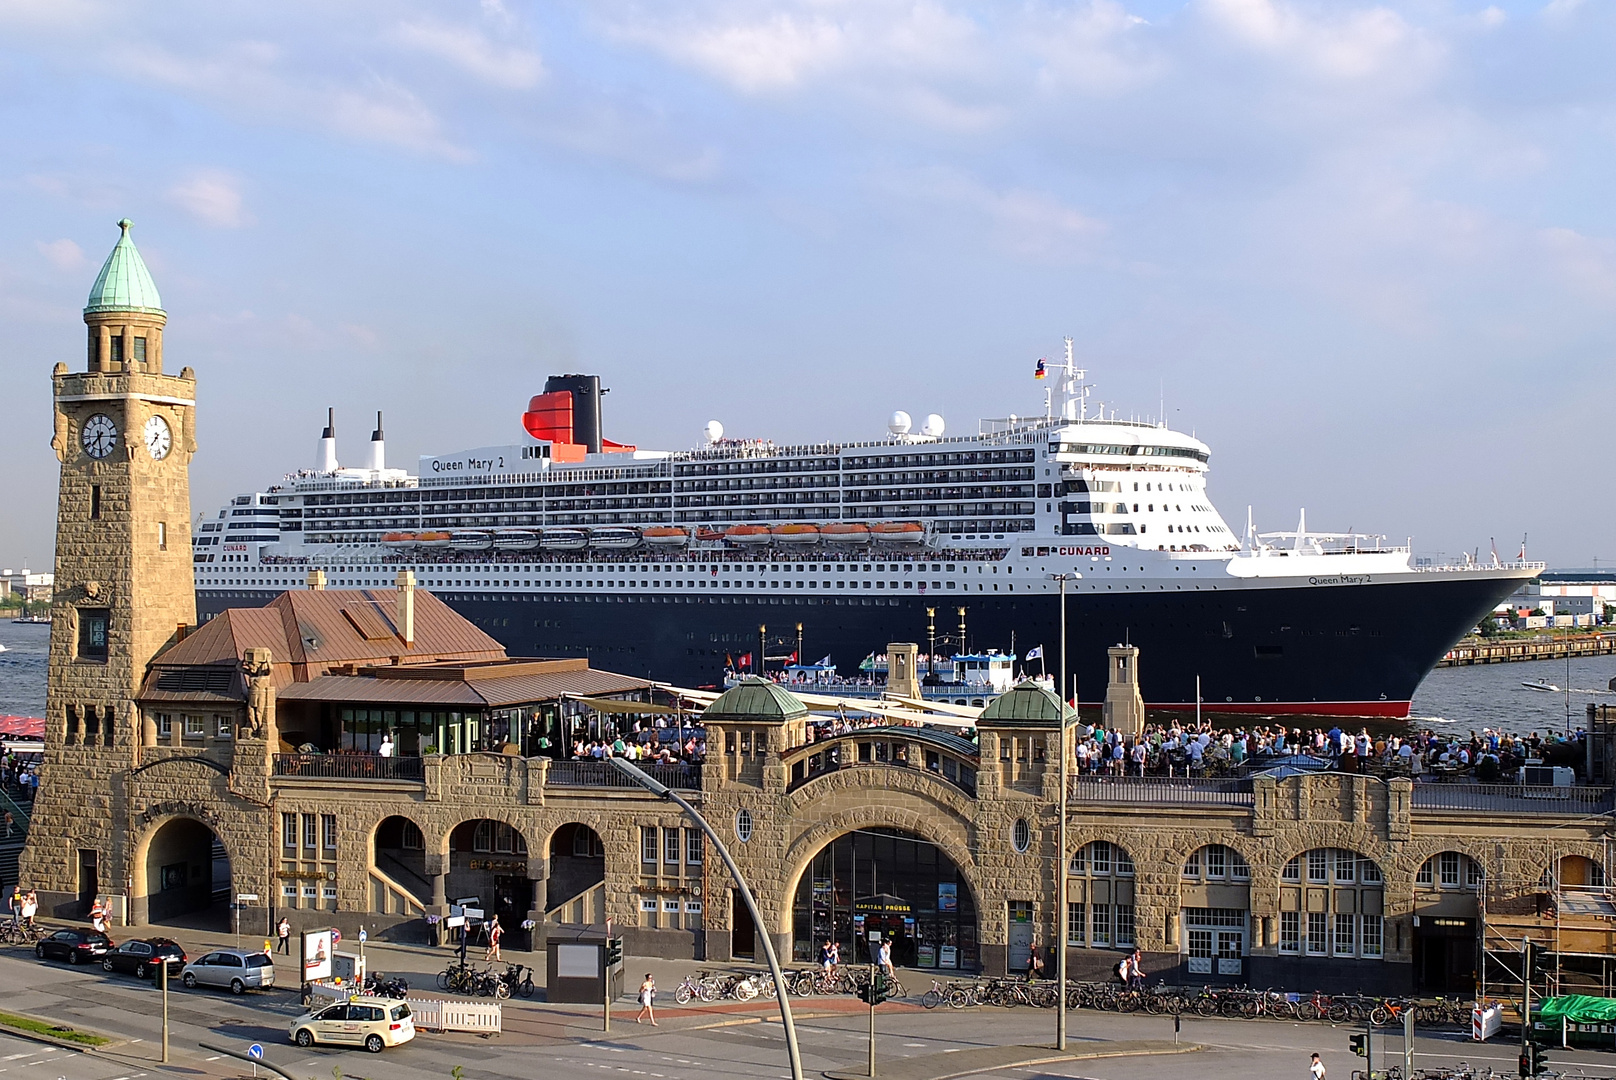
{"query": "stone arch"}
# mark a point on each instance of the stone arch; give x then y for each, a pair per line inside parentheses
(173, 873)
(1332, 903)
(1102, 899)
(1575, 870)
(923, 898)
(403, 852)
(575, 862)
(490, 857)
(801, 850)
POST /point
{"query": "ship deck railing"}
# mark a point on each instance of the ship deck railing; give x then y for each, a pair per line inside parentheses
(681, 776)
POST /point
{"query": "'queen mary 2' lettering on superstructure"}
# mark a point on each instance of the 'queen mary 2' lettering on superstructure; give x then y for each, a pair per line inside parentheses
(668, 563)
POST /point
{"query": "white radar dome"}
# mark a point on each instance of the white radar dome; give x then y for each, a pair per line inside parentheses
(933, 425)
(714, 431)
(900, 423)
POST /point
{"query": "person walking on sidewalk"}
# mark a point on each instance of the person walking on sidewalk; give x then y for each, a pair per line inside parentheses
(647, 1000)
(495, 932)
(1315, 1069)
(283, 933)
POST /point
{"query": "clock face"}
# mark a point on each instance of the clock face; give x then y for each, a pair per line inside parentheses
(158, 438)
(100, 435)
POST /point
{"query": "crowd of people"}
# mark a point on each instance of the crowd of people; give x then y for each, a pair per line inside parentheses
(19, 774)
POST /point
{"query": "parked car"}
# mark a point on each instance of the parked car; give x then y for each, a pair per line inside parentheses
(73, 945)
(372, 1022)
(141, 957)
(239, 969)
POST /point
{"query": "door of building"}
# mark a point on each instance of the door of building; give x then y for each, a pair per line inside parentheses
(743, 936)
(89, 878)
(1231, 947)
(1445, 955)
(1019, 939)
(513, 898)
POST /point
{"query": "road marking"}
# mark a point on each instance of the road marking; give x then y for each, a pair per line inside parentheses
(215, 1057)
(14, 1057)
(914, 1044)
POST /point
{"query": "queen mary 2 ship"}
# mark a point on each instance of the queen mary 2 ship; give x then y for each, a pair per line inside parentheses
(668, 563)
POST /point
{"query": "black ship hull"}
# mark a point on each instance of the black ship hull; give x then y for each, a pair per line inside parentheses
(1358, 650)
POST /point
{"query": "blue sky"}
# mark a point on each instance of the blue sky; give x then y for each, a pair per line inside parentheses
(1367, 252)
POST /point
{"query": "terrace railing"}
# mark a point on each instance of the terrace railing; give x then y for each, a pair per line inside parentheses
(1163, 790)
(1515, 798)
(600, 774)
(349, 767)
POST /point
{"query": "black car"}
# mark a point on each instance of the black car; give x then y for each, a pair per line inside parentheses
(140, 957)
(74, 946)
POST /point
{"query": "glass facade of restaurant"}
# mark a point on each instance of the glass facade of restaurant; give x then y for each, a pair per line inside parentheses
(891, 883)
(545, 729)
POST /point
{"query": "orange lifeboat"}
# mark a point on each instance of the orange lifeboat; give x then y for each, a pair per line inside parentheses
(432, 539)
(845, 532)
(795, 535)
(706, 534)
(748, 535)
(398, 539)
(899, 532)
(665, 536)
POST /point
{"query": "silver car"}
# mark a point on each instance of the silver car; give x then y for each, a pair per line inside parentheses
(238, 969)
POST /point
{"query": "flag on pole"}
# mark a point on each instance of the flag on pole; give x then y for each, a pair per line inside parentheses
(1039, 372)
(746, 660)
(1036, 653)
(825, 662)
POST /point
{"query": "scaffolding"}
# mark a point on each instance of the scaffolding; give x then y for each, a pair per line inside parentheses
(1571, 924)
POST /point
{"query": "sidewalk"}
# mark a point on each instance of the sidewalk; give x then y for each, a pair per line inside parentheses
(996, 1058)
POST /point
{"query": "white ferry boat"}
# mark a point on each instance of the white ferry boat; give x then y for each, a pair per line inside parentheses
(663, 563)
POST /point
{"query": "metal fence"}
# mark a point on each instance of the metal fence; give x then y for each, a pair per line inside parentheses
(1515, 798)
(600, 774)
(349, 767)
(1163, 790)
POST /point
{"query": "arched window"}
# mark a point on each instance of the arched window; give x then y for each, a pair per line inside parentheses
(1449, 870)
(1331, 904)
(1575, 871)
(1100, 905)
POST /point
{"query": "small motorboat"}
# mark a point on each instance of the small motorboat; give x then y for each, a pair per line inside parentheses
(616, 537)
(470, 540)
(1538, 684)
(515, 540)
(899, 532)
(748, 535)
(564, 539)
(665, 536)
(795, 535)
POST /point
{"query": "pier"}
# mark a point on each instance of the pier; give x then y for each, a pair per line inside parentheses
(1506, 652)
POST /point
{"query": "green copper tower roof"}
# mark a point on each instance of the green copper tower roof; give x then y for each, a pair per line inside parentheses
(755, 699)
(1027, 704)
(124, 283)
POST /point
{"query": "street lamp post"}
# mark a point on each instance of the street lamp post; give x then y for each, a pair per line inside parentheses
(1060, 836)
(782, 996)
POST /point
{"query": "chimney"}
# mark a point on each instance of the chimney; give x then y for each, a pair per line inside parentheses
(326, 461)
(378, 450)
(317, 580)
(406, 606)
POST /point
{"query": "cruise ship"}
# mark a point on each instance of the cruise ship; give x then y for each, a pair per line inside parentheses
(673, 564)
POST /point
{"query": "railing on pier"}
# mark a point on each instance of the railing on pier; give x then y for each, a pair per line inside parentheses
(348, 767)
(1515, 798)
(600, 774)
(1163, 790)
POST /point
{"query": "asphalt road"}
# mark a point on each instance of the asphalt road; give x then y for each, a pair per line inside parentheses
(565, 1043)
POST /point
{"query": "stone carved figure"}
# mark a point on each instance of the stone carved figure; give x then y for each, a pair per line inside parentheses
(260, 694)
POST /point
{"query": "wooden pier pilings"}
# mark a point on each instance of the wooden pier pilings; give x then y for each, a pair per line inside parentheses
(1505, 652)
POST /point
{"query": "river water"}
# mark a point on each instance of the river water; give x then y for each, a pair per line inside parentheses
(1450, 699)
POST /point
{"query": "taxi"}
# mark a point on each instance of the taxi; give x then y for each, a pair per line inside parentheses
(372, 1022)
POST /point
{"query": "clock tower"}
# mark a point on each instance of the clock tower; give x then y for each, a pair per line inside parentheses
(124, 435)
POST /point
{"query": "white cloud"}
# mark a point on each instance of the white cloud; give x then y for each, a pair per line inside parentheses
(1025, 222)
(212, 196)
(1584, 263)
(1345, 43)
(470, 50)
(63, 254)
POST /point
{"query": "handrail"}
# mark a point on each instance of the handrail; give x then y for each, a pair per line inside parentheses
(396, 861)
(686, 777)
(574, 898)
(1164, 790)
(20, 817)
(349, 767)
(1537, 799)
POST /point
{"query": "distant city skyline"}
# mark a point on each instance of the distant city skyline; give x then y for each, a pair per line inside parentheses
(1365, 251)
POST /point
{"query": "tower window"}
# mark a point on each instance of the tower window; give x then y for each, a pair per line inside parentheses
(140, 349)
(162, 536)
(116, 355)
(93, 624)
(95, 502)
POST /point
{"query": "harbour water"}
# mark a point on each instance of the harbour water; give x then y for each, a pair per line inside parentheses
(1453, 700)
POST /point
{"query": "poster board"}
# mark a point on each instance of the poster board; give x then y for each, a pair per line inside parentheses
(319, 948)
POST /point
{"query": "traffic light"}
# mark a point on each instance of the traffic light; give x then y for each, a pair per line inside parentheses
(614, 951)
(1359, 1044)
(1533, 1060)
(876, 990)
